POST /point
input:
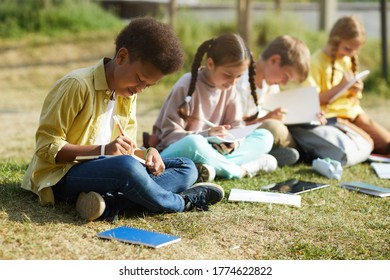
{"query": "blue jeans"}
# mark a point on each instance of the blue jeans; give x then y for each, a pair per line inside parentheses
(128, 180)
(197, 148)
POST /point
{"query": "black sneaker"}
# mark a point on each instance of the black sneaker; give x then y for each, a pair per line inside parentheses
(200, 195)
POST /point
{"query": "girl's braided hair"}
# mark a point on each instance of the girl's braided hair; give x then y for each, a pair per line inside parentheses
(223, 50)
(346, 28)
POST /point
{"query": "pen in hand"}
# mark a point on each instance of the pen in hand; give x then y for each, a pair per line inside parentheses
(210, 124)
(123, 133)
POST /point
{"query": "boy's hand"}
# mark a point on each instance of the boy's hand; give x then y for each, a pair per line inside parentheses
(121, 146)
(277, 114)
(321, 118)
(154, 162)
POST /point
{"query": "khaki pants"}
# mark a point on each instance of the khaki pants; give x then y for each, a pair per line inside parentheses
(282, 136)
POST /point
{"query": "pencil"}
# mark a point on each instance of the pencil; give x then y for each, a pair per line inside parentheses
(210, 124)
(123, 133)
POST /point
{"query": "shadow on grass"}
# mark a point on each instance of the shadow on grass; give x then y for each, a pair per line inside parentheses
(22, 206)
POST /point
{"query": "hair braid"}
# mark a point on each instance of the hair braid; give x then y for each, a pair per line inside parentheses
(202, 49)
(252, 84)
(354, 66)
(333, 59)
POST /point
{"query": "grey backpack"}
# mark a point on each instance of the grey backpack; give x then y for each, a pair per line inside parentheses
(337, 141)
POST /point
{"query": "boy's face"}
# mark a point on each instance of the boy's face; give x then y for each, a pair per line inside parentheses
(130, 78)
(279, 75)
(225, 76)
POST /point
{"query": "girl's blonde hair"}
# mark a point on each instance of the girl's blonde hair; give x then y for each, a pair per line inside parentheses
(346, 28)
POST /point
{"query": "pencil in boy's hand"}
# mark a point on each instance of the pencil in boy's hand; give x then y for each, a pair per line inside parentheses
(119, 125)
(123, 133)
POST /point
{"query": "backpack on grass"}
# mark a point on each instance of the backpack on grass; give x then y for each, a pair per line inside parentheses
(339, 140)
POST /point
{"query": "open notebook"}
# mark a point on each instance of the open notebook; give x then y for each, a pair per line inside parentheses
(235, 134)
(302, 105)
(358, 76)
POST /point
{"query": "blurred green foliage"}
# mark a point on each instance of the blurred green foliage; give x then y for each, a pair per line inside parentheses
(56, 17)
(18, 17)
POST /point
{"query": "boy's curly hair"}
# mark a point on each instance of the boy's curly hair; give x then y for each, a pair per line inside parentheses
(152, 41)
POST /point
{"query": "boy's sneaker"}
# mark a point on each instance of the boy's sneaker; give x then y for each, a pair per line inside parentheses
(285, 156)
(206, 173)
(90, 205)
(201, 195)
(267, 163)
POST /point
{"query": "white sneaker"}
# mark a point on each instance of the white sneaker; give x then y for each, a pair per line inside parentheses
(266, 162)
(90, 205)
(206, 173)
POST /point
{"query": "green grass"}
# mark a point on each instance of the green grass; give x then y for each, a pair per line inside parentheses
(332, 223)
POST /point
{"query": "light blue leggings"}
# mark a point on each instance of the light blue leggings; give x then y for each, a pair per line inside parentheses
(197, 148)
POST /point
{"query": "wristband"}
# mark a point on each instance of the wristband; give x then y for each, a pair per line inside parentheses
(102, 149)
(146, 152)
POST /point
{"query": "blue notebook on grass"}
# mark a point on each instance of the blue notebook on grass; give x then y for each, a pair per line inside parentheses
(139, 236)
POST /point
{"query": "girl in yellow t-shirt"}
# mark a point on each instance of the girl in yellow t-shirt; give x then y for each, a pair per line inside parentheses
(333, 67)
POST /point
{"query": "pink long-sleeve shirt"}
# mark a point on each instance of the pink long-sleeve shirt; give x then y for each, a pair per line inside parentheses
(208, 102)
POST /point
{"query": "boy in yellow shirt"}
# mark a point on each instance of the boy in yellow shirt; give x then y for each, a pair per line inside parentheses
(77, 119)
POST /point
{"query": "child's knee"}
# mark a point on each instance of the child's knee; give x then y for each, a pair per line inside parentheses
(195, 141)
(278, 130)
(265, 136)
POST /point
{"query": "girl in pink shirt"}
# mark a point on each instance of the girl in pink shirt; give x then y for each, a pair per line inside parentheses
(207, 95)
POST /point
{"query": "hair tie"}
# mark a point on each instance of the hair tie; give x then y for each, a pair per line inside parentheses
(211, 43)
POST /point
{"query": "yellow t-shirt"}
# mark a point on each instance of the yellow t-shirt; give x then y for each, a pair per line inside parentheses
(320, 77)
(73, 112)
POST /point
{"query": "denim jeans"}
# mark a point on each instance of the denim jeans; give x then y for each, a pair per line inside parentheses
(128, 180)
(197, 148)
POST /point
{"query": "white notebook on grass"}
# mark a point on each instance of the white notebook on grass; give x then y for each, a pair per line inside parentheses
(266, 197)
(381, 169)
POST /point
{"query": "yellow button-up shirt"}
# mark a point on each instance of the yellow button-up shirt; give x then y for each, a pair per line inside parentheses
(72, 113)
(320, 77)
